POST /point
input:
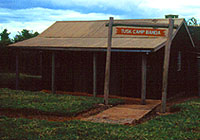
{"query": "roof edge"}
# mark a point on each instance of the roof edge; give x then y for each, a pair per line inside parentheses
(46, 29)
(82, 49)
(159, 46)
(173, 36)
(186, 27)
(179, 27)
(117, 20)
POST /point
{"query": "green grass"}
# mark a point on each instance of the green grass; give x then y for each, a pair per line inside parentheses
(183, 125)
(50, 103)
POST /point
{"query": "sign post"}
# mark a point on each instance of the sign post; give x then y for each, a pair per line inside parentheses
(141, 32)
(166, 65)
(108, 60)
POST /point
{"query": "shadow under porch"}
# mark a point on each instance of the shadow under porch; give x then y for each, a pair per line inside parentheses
(74, 72)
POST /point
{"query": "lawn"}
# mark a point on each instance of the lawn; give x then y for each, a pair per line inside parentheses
(183, 125)
(49, 103)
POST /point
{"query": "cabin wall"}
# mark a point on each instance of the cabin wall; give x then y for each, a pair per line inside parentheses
(154, 74)
(195, 33)
(177, 76)
(74, 72)
(182, 74)
(29, 62)
(46, 70)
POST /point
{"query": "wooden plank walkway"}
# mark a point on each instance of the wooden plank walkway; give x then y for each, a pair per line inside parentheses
(124, 114)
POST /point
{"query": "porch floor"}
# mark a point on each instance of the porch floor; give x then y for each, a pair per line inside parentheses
(125, 114)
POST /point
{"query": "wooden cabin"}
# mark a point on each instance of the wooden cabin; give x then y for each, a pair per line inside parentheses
(74, 57)
(195, 33)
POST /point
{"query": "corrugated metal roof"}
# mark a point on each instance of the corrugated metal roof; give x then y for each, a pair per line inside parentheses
(92, 29)
(93, 34)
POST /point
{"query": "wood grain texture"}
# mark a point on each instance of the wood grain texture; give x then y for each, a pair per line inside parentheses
(108, 61)
(17, 71)
(53, 73)
(144, 77)
(166, 65)
(94, 75)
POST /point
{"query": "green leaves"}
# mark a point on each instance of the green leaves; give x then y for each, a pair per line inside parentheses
(4, 38)
(24, 34)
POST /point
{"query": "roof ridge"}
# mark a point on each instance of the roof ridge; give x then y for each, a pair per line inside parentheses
(119, 20)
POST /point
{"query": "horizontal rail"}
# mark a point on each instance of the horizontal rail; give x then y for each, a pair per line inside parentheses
(83, 49)
(144, 24)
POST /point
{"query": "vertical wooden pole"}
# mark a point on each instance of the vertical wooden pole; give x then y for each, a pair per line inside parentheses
(198, 61)
(41, 70)
(17, 70)
(94, 74)
(166, 65)
(53, 73)
(108, 61)
(144, 71)
(40, 53)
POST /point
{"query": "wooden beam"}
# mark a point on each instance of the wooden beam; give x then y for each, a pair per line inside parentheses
(144, 74)
(53, 73)
(144, 24)
(166, 65)
(17, 71)
(40, 53)
(198, 61)
(94, 74)
(83, 50)
(108, 61)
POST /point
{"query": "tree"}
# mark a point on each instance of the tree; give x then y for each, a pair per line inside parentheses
(4, 38)
(192, 21)
(24, 34)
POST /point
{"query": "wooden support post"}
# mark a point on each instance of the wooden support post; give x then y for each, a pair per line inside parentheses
(94, 74)
(40, 53)
(17, 70)
(53, 73)
(198, 61)
(144, 71)
(108, 61)
(166, 65)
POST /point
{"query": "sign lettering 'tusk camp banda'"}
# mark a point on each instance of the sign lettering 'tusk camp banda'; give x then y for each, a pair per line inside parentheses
(140, 31)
